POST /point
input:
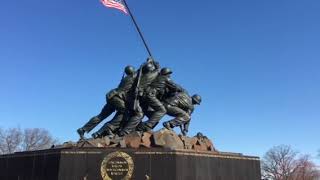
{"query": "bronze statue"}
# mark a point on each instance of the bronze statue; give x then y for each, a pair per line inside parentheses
(149, 92)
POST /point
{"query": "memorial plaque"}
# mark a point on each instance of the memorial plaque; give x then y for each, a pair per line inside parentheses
(117, 166)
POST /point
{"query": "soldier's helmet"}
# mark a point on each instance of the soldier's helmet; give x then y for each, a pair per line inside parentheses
(149, 60)
(129, 70)
(165, 71)
(196, 98)
(149, 67)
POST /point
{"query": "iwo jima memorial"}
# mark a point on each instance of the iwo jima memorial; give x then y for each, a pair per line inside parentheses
(126, 147)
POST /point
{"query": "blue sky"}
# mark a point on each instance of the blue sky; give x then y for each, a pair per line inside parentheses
(255, 63)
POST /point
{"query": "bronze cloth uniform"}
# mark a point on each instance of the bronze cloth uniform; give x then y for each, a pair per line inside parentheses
(153, 95)
(137, 115)
(116, 101)
(181, 107)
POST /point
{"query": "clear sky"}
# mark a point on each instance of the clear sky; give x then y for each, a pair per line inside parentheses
(255, 63)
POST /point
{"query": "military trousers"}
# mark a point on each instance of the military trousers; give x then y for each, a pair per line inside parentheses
(114, 104)
(181, 116)
(159, 111)
(135, 117)
(114, 125)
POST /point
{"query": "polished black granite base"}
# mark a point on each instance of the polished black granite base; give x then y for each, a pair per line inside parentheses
(137, 164)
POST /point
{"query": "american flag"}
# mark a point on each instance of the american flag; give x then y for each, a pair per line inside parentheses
(115, 4)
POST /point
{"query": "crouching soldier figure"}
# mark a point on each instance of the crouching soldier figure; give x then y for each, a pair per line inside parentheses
(116, 101)
(181, 107)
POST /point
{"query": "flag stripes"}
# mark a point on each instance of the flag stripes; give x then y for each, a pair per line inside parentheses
(115, 4)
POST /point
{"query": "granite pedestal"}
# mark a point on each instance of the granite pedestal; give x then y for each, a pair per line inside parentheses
(137, 164)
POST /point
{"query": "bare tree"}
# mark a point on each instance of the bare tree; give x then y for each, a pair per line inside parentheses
(14, 139)
(36, 139)
(278, 163)
(282, 163)
(306, 169)
(10, 140)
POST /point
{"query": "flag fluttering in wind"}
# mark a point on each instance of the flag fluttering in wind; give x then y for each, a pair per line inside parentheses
(123, 6)
(115, 4)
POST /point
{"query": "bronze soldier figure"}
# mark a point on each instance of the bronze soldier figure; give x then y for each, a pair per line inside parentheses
(148, 72)
(154, 95)
(181, 107)
(116, 101)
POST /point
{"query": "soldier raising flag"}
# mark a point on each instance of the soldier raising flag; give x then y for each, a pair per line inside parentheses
(149, 91)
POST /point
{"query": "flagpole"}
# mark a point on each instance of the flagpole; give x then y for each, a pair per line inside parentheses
(138, 29)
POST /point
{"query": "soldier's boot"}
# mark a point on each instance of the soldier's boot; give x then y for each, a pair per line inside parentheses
(185, 132)
(123, 133)
(108, 132)
(167, 126)
(96, 135)
(140, 127)
(113, 126)
(147, 128)
(143, 127)
(81, 132)
(102, 132)
(132, 124)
